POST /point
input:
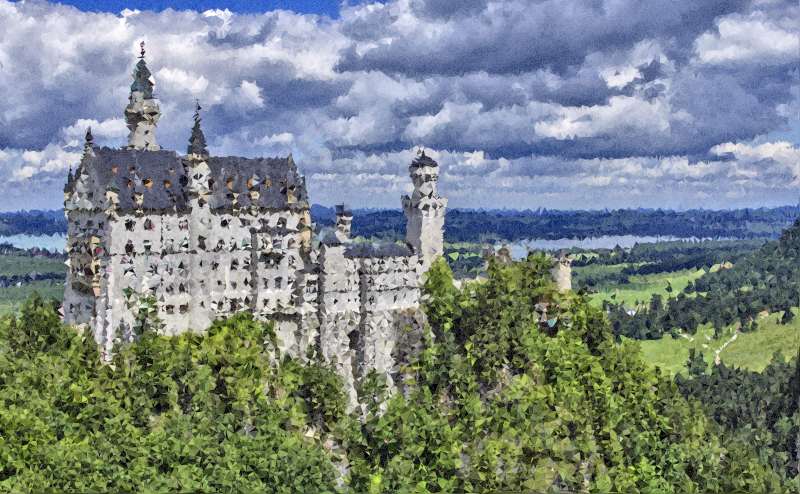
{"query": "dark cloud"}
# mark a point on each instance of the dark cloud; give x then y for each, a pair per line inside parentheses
(553, 100)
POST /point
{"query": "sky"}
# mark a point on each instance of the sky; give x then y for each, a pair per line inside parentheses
(561, 104)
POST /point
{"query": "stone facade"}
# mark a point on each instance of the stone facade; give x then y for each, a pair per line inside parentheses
(175, 242)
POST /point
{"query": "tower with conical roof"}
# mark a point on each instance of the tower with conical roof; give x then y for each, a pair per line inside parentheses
(83, 206)
(142, 114)
(425, 211)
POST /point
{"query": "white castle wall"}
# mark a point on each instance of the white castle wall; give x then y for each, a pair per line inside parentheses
(340, 314)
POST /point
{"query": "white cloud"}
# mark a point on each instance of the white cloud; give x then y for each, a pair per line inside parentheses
(751, 39)
(485, 84)
(249, 91)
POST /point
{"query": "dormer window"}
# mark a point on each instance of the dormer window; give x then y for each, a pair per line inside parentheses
(224, 223)
(167, 183)
(172, 170)
(128, 182)
(148, 183)
(211, 182)
(133, 169)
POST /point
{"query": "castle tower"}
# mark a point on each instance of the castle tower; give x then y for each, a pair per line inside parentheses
(561, 271)
(425, 211)
(339, 311)
(142, 114)
(198, 192)
(85, 242)
(343, 218)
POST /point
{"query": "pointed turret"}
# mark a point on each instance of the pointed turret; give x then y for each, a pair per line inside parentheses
(142, 114)
(197, 142)
(425, 211)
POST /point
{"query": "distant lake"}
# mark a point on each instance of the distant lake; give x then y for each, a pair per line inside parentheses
(57, 243)
(519, 250)
(53, 243)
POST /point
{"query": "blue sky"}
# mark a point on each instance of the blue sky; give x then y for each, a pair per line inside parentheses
(319, 7)
(562, 104)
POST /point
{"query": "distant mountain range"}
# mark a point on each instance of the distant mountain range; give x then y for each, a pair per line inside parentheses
(482, 225)
(316, 209)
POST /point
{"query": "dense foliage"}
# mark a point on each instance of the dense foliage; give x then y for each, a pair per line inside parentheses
(654, 258)
(522, 389)
(183, 413)
(760, 407)
(769, 277)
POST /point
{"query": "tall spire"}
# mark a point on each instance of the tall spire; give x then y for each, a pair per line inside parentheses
(197, 142)
(142, 114)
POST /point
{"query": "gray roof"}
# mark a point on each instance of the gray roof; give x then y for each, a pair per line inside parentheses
(155, 165)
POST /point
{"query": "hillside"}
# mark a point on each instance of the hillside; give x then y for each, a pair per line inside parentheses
(522, 388)
(767, 279)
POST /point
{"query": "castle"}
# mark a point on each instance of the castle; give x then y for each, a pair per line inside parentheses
(176, 242)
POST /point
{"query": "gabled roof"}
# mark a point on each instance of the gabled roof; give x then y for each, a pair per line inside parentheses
(147, 172)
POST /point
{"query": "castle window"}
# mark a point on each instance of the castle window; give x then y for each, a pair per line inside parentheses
(148, 225)
(234, 264)
(244, 222)
(167, 183)
(170, 309)
(148, 183)
(224, 223)
(183, 225)
(282, 223)
(184, 309)
(201, 242)
(147, 246)
(352, 338)
(170, 290)
(215, 265)
(90, 223)
(182, 288)
(171, 170)
(129, 247)
(233, 285)
(278, 281)
(266, 283)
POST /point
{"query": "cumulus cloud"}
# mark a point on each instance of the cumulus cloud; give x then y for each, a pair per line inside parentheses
(554, 104)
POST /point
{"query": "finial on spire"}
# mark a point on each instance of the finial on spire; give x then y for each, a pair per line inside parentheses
(142, 114)
(197, 141)
(421, 152)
